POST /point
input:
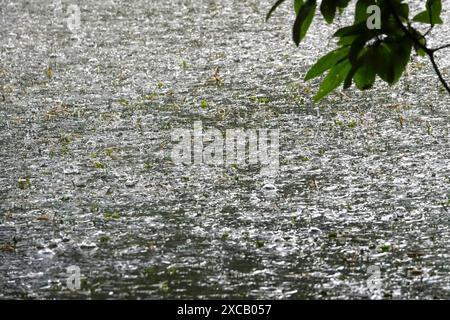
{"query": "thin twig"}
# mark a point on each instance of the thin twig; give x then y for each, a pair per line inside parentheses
(436, 68)
(440, 48)
(428, 31)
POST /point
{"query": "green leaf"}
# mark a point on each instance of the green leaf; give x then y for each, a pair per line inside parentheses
(326, 62)
(365, 75)
(348, 79)
(334, 78)
(381, 55)
(390, 58)
(434, 7)
(401, 56)
(342, 3)
(389, 26)
(361, 10)
(422, 17)
(297, 5)
(303, 20)
(346, 41)
(432, 13)
(356, 47)
(352, 30)
(403, 11)
(274, 7)
(328, 9)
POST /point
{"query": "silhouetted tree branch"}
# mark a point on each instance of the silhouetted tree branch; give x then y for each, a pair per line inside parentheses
(428, 51)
